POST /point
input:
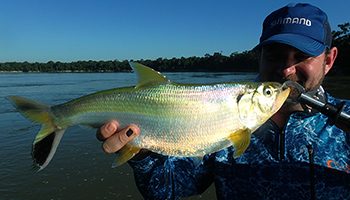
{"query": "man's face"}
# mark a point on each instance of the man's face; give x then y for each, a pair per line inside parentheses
(280, 62)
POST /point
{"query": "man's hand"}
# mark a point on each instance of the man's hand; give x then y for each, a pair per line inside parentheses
(115, 138)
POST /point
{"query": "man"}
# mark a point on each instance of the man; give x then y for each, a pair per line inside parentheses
(297, 154)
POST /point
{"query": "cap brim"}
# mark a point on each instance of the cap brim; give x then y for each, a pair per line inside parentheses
(304, 44)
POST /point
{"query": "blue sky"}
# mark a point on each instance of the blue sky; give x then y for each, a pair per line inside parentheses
(68, 30)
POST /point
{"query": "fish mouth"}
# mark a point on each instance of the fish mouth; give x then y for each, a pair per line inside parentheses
(295, 90)
(282, 97)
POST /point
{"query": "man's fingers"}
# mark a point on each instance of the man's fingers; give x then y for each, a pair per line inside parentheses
(117, 141)
(107, 130)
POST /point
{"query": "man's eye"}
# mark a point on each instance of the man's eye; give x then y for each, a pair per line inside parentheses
(274, 59)
(301, 57)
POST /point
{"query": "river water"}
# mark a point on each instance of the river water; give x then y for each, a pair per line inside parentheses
(79, 169)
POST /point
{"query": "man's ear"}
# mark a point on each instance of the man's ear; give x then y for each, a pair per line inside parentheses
(330, 58)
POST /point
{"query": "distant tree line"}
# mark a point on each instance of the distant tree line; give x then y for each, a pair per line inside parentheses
(79, 66)
(246, 61)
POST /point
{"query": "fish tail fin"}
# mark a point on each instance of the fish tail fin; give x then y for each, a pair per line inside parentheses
(49, 136)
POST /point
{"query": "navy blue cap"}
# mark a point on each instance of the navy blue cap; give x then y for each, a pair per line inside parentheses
(301, 25)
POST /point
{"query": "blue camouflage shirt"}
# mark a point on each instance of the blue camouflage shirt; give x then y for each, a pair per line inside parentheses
(309, 159)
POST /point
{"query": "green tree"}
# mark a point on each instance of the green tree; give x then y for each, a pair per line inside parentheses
(341, 39)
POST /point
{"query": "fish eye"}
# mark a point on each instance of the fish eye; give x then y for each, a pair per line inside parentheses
(268, 91)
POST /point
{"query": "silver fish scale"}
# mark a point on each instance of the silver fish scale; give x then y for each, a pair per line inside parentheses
(190, 121)
(174, 119)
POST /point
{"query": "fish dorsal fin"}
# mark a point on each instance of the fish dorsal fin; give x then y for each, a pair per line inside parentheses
(147, 76)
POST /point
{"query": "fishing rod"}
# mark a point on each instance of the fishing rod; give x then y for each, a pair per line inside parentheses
(335, 113)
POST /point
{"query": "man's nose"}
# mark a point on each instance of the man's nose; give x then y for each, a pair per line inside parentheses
(288, 70)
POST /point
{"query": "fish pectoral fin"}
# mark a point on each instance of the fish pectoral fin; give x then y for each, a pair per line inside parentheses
(125, 154)
(240, 140)
(147, 76)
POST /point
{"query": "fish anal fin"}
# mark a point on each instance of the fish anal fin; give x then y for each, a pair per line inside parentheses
(125, 154)
(147, 76)
(240, 140)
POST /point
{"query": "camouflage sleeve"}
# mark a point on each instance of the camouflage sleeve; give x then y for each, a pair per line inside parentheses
(165, 177)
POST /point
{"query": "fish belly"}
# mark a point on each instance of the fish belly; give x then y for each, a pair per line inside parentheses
(194, 136)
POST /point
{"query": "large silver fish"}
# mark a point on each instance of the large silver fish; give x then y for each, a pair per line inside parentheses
(175, 119)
